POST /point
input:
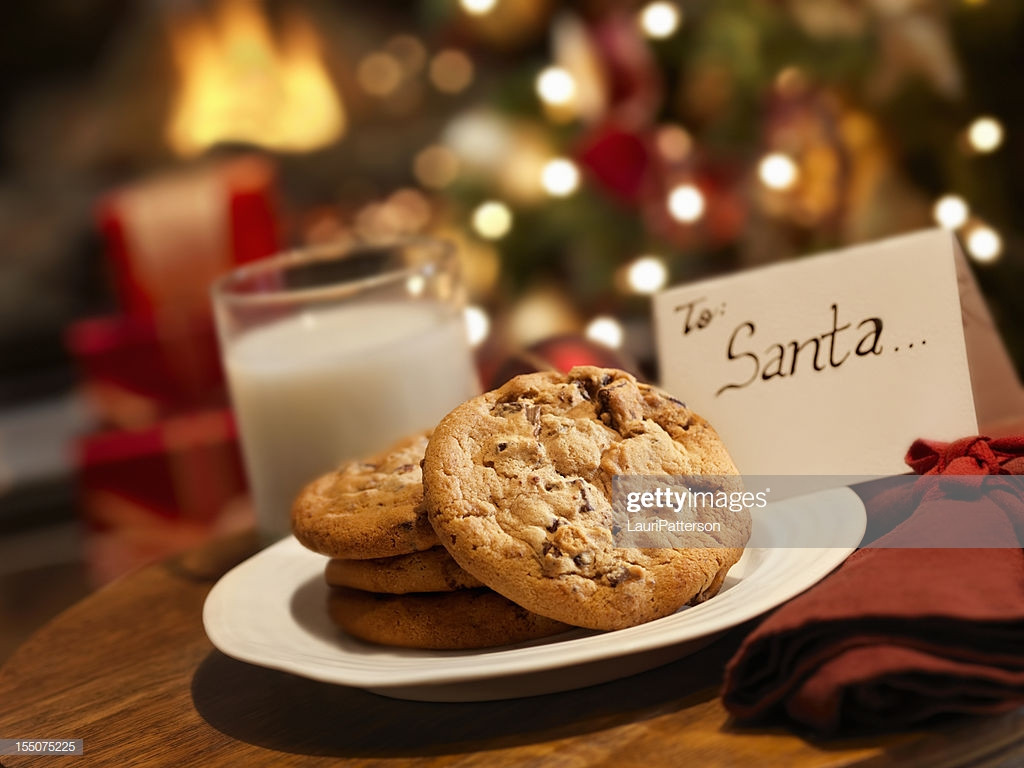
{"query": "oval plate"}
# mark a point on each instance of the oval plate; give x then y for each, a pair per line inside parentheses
(271, 611)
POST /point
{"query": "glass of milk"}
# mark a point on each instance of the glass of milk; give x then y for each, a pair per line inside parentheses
(335, 352)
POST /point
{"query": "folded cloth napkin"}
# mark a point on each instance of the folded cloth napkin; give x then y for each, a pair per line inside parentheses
(897, 635)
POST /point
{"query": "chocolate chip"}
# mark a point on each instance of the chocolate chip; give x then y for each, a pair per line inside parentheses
(502, 447)
(583, 559)
(606, 379)
(586, 506)
(551, 549)
(505, 407)
(532, 413)
(616, 529)
(553, 525)
(616, 578)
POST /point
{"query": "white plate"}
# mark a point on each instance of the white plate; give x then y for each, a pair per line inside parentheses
(271, 611)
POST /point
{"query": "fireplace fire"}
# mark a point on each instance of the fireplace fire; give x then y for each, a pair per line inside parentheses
(239, 81)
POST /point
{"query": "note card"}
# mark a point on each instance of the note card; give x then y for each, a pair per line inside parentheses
(834, 364)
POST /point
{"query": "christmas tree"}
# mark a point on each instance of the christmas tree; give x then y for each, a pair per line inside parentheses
(591, 153)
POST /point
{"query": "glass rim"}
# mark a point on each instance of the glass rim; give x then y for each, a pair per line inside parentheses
(222, 288)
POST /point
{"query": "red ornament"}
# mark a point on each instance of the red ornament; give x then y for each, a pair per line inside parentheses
(620, 161)
(561, 353)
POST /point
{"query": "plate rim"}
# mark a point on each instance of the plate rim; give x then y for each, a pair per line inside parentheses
(416, 669)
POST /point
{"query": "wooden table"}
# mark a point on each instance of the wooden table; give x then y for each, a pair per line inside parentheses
(130, 671)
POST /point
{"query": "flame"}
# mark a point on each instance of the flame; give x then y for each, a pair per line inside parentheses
(237, 84)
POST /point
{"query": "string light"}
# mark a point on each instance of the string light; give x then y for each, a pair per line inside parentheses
(480, 137)
(791, 81)
(543, 311)
(415, 284)
(659, 20)
(777, 171)
(379, 73)
(478, 325)
(673, 142)
(435, 166)
(984, 244)
(492, 220)
(560, 177)
(686, 203)
(478, 7)
(950, 212)
(985, 134)
(409, 51)
(412, 207)
(605, 330)
(556, 86)
(451, 71)
(647, 275)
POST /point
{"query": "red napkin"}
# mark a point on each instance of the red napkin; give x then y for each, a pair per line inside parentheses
(897, 635)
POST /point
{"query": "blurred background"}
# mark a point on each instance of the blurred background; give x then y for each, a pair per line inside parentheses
(582, 155)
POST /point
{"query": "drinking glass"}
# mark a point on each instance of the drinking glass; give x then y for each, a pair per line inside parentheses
(335, 352)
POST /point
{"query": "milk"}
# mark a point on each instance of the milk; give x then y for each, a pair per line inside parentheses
(342, 383)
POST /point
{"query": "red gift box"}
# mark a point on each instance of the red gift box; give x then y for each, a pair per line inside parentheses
(136, 370)
(174, 476)
(170, 236)
(149, 493)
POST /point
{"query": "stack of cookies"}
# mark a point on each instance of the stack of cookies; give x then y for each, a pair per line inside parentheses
(391, 580)
(504, 532)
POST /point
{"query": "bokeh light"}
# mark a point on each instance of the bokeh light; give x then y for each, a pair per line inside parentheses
(950, 212)
(560, 177)
(605, 330)
(985, 134)
(436, 166)
(478, 7)
(647, 274)
(556, 86)
(451, 71)
(777, 171)
(686, 203)
(984, 244)
(379, 73)
(478, 325)
(492, 220)
(660, 19)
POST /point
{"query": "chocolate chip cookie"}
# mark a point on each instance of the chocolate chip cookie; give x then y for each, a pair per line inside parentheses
(471, 618)
(367, 509)
(432, 570)
(518, 485)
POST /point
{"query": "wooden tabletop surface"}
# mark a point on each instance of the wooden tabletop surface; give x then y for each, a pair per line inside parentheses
(130, 671)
